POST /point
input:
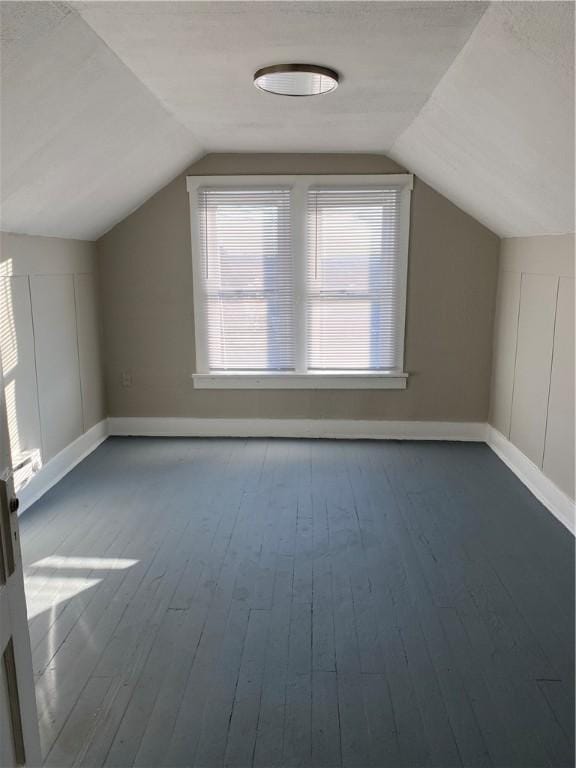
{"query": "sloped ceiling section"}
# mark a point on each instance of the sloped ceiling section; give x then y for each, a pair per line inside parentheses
(199, 58)
(83, 141)
(497, 135)
(104, 102)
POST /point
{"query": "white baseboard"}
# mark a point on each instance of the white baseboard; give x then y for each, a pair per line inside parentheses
(559, 504)
(547, 492)
(59, 465)
(351, 429)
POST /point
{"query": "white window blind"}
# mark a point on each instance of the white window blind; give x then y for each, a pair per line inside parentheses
(247, 278)
(355, 285)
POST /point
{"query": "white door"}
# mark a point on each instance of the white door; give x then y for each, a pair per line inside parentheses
(19, 739)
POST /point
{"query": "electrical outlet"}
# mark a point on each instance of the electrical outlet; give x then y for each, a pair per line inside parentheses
(126, 378)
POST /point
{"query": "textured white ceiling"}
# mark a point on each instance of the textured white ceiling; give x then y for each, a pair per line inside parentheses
(199, 59)
(103, 103)
(83, 142)
(497, 135)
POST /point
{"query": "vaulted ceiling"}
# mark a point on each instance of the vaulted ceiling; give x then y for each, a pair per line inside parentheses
(104, 102)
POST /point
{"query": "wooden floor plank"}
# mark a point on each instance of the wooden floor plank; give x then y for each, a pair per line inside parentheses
(326, 747)
(241, 736)
(229, 602)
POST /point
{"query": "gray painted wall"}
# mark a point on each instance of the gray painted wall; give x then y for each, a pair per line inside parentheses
(533, 378)
(146, 282)
(50, 343)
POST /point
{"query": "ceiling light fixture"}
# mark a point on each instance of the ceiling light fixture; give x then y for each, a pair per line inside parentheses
(296, 79)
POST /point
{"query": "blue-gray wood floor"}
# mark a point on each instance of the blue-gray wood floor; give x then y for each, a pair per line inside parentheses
(209, 602)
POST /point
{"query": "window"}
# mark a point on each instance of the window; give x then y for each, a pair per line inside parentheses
(247, 278)
(300, 281)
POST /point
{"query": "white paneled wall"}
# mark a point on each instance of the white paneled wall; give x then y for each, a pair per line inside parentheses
(533, 380)
(88, 327)
(534, 347)
(504, 353)
(558, 462)
(50, 343)
(57, 364)
(19, 366)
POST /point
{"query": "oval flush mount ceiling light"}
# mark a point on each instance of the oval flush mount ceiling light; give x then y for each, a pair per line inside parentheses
(296, 79)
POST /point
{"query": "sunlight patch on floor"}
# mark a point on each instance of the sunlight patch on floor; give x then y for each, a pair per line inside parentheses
(85, 563)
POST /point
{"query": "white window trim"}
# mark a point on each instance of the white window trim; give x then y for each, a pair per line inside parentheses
(312, 380)
(203, 378)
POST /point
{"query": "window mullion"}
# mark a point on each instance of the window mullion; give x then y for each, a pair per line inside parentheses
(299, 259)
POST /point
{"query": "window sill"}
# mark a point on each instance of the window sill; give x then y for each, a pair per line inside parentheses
(336, 380)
